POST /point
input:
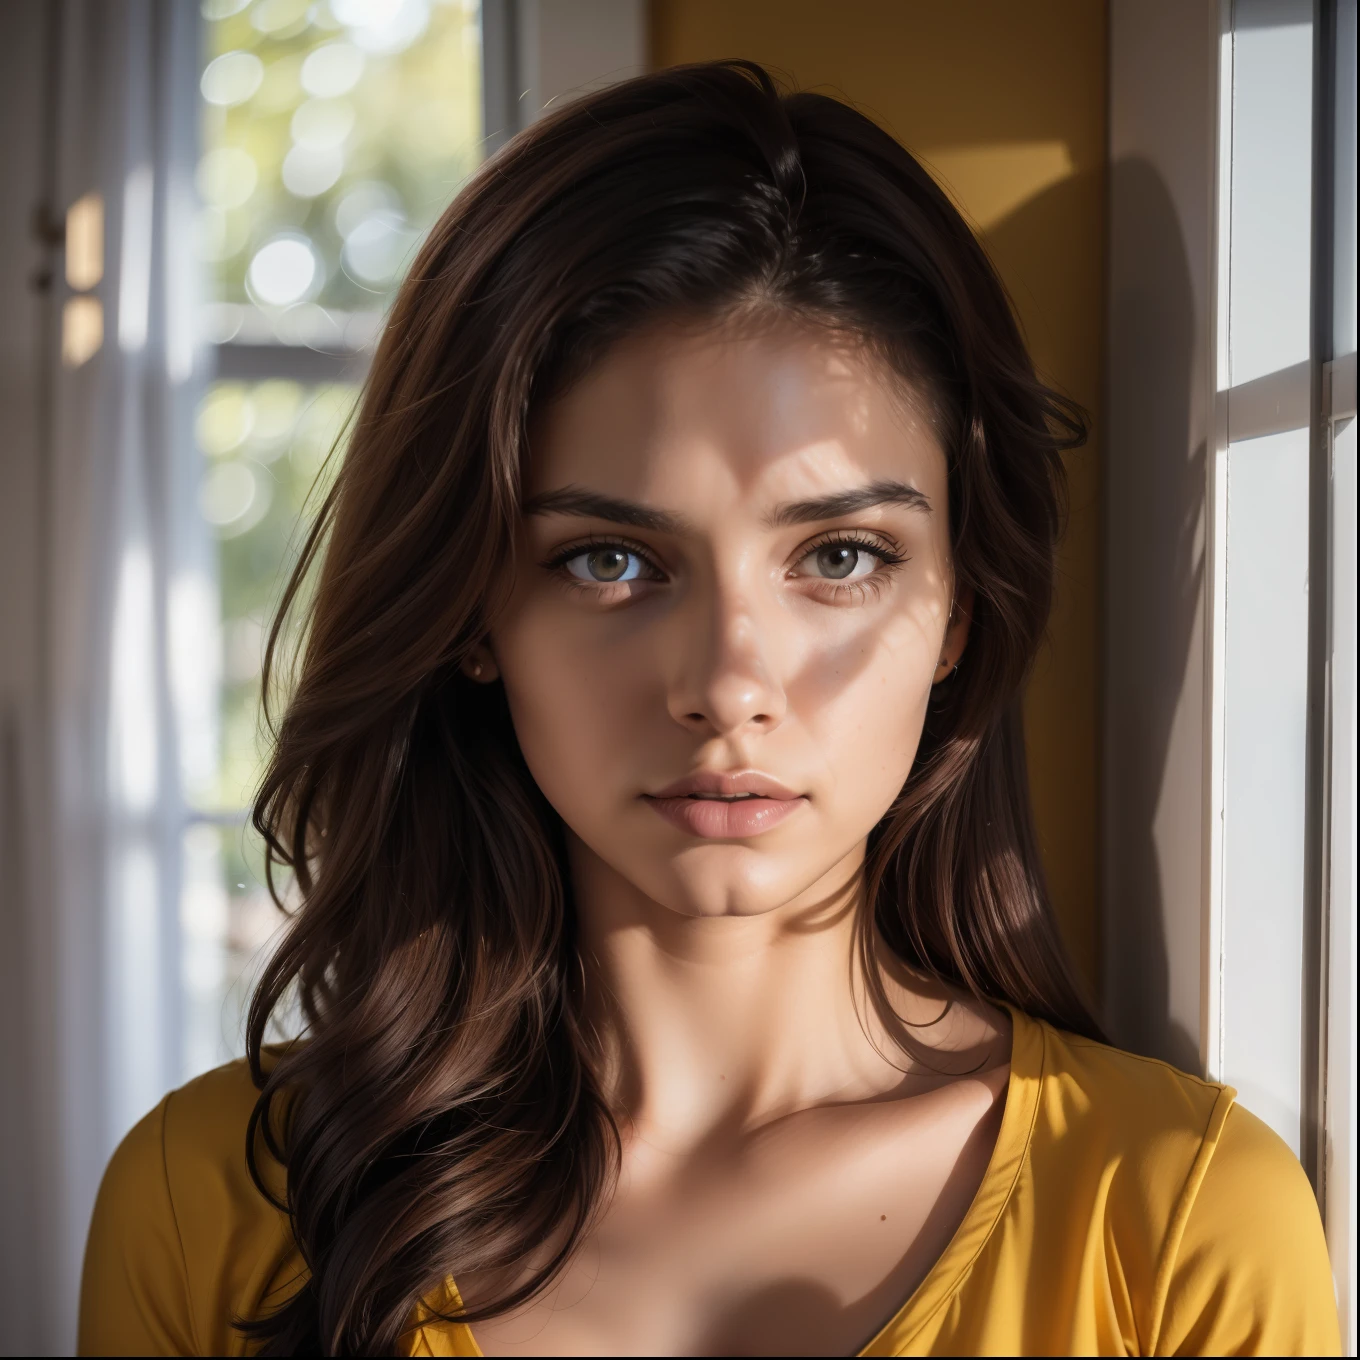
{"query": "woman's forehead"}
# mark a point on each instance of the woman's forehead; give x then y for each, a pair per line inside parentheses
(777, 413)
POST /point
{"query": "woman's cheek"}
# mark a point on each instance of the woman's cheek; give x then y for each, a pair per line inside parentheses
(874, 745)
(572, 707)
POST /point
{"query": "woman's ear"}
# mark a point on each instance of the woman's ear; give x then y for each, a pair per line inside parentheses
(480, 665)
(956, 634)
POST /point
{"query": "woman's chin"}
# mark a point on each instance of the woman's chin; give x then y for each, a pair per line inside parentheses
(759, 887)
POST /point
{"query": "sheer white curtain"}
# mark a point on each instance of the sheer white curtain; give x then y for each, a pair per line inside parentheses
(121, 612)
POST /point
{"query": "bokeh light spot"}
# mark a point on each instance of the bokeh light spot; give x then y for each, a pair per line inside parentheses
(363, 201)
(225, 419)
(227, 177)
(216, 10)
(282, 272)
(377, 248)
(231, 78)
(277, 402)
(322, 122)
(383, 25)
(277, 17)
(229, 493)
(309, 171)
(331, 70)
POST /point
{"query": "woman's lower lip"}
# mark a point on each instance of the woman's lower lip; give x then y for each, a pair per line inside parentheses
(715, 819)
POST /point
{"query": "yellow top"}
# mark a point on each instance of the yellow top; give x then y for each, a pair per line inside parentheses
(1127, 1209)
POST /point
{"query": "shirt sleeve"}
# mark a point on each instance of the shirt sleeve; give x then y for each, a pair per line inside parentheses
(1251, 1274)
(134, 1297)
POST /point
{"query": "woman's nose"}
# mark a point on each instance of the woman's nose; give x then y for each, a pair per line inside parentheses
(726, 682)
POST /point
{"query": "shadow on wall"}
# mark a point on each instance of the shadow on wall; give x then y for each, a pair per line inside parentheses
(1061, 704)
(1154, 552)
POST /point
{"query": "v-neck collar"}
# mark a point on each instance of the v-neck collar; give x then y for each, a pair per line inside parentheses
(947, 1275)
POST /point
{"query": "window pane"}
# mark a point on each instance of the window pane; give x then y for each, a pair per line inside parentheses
(1272, 139)
(265, 453)
(335, 133)
(227, 919)
(1265, 698)
(266, 466)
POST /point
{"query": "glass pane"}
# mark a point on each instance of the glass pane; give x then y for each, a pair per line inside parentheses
(1343, 185)
(265, 472)
(335, 132)
(1271, 231)
(1265, 723)
(227, 920)
(265, 469)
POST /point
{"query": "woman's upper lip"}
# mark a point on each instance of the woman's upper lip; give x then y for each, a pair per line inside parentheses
(712, 781)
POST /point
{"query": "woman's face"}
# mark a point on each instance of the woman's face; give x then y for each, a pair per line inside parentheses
(732, 598)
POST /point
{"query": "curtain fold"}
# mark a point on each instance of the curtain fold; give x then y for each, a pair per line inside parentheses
(123, 583)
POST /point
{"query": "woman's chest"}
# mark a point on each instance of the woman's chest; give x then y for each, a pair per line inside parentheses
(802, 1243)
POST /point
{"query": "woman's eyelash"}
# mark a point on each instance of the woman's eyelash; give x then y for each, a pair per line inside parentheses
(888, 555)
(564, 555)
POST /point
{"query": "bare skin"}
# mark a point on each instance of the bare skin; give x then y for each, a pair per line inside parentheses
(789, 1173)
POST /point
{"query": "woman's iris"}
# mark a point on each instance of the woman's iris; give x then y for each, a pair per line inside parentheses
(837, 560)
(605, 565)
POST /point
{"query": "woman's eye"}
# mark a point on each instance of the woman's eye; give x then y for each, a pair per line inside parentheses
(605, 565)
(839, 562)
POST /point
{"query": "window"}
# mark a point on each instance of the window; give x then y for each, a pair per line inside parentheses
(333, 135)
(1230, 517)
(1282, 905)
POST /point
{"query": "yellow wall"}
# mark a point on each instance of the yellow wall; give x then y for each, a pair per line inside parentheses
(1006, 103)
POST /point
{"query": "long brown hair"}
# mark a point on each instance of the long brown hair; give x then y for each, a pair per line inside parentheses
(442, 1116)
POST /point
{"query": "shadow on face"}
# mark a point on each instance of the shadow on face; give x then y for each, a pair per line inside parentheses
(734, 569)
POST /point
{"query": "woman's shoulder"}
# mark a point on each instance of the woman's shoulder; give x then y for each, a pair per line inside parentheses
(181, 1238)
(1215, 1222)
(1251, 1269)
(206, 1122)
(1166, 1126)
(1138, 1104)
(1110, 1133)
(195, 1139)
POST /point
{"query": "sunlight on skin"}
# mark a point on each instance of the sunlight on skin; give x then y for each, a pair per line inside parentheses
(730, 664)
(759, 1103)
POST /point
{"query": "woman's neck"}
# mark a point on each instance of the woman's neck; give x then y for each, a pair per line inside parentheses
(714, 1026)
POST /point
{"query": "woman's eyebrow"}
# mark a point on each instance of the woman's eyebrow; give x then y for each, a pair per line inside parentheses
(575, 500)
(848, 502)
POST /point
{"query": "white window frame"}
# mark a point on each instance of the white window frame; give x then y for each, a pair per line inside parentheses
(1203, 966)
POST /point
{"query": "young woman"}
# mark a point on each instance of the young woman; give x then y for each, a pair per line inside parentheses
(677, 972)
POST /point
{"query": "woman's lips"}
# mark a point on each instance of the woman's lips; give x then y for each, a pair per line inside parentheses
(718, 806)
(714, 819)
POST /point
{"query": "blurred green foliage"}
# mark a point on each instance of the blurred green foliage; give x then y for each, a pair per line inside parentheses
(345, 125)
(334, 134)
(266, 447)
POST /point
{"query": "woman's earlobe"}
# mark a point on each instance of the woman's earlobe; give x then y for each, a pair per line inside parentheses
(956, 634)
(946, 668)
(480, 665)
